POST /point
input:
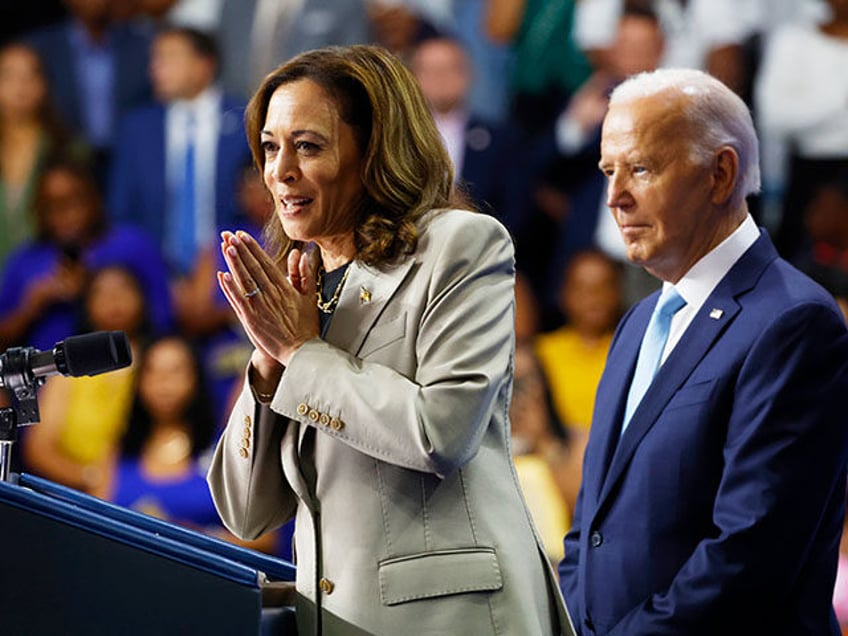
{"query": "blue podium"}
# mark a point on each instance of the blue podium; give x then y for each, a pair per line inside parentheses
(74, 564)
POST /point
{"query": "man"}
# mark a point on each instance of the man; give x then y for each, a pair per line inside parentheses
(95, 67)
(714, 503)
(483, 154)
(179, 159)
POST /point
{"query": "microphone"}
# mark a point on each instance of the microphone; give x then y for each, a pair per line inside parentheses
(88, 354)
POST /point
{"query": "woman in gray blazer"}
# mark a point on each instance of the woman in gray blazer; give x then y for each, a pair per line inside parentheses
(375, 403)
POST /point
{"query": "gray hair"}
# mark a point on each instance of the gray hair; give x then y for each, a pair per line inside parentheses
(718, 116)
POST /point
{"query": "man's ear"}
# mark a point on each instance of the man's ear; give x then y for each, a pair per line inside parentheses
(725, 174)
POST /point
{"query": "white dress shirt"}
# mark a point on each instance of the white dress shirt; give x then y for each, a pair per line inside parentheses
(206, 111)
(703, 277)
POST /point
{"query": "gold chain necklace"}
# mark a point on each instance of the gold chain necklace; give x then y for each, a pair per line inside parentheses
(329, 306)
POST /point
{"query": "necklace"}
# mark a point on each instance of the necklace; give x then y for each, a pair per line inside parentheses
(328, 306)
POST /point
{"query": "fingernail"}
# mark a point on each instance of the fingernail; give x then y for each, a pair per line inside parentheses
(243, 235)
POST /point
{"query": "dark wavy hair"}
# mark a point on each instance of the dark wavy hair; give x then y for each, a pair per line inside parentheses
(405, 169)
(198, 413)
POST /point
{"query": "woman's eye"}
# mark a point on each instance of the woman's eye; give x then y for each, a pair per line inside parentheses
(307, 146)
(268, 146)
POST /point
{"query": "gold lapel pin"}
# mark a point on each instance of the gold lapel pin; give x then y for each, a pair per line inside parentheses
(364, 295)
(715, 314)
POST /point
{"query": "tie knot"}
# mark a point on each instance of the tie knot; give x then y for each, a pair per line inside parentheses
(670, 303)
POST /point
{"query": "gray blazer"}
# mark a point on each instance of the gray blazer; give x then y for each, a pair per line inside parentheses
(390, 442)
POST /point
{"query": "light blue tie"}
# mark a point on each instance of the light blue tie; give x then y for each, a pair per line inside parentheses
(650, 353)
(183, 245)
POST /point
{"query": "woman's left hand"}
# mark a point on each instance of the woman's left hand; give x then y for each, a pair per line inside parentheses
(277, 310)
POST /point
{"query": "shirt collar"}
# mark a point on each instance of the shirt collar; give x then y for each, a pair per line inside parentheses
(206, 101)
(703, 277)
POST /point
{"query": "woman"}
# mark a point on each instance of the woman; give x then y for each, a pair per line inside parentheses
(378, 417)
(170, 425)
(82, 419)
(42, 282)
(30, 132)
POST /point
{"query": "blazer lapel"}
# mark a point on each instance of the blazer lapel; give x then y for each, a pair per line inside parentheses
(363, 298)
(716, 314)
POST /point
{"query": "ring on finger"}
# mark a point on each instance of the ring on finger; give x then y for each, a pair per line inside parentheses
(252, 292)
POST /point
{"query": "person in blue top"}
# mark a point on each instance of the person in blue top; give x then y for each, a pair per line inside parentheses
(42, 283)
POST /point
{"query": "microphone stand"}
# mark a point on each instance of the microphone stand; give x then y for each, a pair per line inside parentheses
(24, 386)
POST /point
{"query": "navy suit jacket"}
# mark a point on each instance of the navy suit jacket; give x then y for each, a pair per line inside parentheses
(719, 510)
(138, 192)
(493, 174)
(132, 82)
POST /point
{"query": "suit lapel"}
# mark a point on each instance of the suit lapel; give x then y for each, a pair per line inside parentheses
(363, 298)
(699, 337)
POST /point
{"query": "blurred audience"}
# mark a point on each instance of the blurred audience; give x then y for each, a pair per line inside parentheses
(258, 35)
(573, 355)
(96, 71)
(203, 312)
(30, 133)
(801, 103)
(570, 190)
(83, 418)
(527, 321)
(485, 156)
(703, 34)
(489, 95)
(824, 255)
(547, 456)
(161, 467)
(176, 169)
(43, 280)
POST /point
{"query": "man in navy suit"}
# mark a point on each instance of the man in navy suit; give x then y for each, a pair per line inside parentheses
(717, 507)
(96, 72)
(148, 176)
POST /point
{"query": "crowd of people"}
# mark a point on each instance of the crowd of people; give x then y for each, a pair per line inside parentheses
(124, 155)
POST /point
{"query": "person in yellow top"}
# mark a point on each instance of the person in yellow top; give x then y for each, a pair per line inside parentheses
(573, 355)
(82, 418)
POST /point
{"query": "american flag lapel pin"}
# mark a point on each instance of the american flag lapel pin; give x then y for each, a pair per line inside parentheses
(364, 295)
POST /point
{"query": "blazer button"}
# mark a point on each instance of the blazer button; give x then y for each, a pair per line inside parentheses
(325, 419)
(302, 408)
(313, 415)
(247, 421)
(336, 424)
(243, 452)
(596, 539)
(326, 585)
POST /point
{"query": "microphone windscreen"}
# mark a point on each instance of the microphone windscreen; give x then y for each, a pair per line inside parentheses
(98, 352)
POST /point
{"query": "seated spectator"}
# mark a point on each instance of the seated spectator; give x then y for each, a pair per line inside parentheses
(573, 356)
(83, 418)
(42, 284)
(161, 469)
(547, 456)
(30, 133)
